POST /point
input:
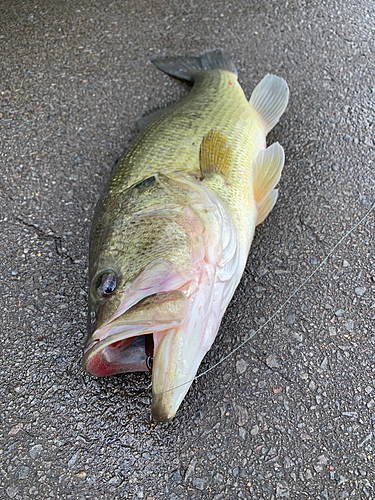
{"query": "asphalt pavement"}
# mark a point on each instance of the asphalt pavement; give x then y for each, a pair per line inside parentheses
(292, 413)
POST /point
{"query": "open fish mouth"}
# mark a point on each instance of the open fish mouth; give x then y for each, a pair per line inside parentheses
(119, 356)
(126, 343)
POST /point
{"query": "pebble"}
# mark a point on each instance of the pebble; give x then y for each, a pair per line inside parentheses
(191, 467)
(349, 325)
(321, 463)
(324, 364)
(15, 430)
(360, 290)
(267, 487)
(23, 472)
(332, 331)
(297, 336)
(199, 483)
(308, 474)
(288, 463)
(312, 385)
(342, 480)
(114, 481)
(273, 361)
(241, 366)
(350, 414)
(241, 414)
(218, 478)
(35, 451)
(176, 477)
(242, 433)
(73, 460)
(339, 312)
(324, 494)
(254, 431)
(282, 490)
(12, 491)
(290, 319)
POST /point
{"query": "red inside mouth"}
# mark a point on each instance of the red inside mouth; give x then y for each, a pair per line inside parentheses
(128, 355)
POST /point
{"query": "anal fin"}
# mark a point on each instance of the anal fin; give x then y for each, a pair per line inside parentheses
(215, 155)
(267, 171)
(266, 207)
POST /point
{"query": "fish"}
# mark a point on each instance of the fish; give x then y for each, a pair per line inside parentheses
(172, 232)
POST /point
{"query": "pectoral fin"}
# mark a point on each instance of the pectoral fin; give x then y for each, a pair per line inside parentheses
(215, 155)
(267, 171)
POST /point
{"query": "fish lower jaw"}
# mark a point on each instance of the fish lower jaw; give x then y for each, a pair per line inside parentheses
(160, 413)
(165, 403)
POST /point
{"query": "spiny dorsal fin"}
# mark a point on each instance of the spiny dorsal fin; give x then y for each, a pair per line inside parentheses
(267, 171)
(215, 155)
(270, 98)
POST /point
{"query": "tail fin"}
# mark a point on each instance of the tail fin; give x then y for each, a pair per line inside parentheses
(187, 67)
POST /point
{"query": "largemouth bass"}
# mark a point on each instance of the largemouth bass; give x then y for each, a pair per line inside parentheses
(172, 232)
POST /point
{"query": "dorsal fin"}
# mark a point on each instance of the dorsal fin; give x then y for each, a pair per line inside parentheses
(270, 98)
(215, 155)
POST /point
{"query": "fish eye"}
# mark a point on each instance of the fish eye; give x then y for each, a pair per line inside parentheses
(106, 284)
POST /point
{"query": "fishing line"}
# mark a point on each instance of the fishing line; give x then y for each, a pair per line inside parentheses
(249, 337)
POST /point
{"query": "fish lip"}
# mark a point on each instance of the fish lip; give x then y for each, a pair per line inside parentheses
(87, 348)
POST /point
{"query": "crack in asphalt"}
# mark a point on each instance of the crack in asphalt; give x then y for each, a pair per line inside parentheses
(45, 236)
